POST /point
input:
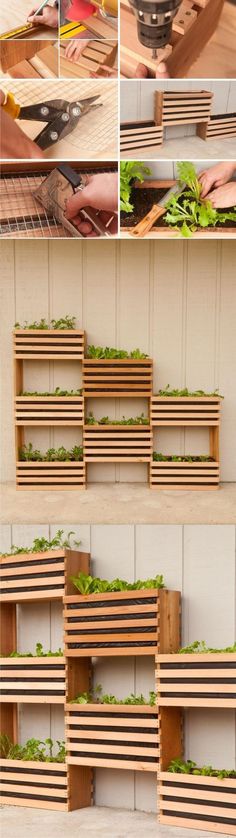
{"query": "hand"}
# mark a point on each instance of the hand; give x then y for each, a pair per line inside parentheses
(143, 72)
(224, 196)
(216, 176)
(14, 143)
(49, 16)
(74, 49)
(101, 193)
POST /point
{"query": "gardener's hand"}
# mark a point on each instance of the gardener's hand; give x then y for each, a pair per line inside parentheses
(49, 16)
(216, 176)
(224, 196)
(143, 72)
(14, 144)
(101, 193)
(74, 49)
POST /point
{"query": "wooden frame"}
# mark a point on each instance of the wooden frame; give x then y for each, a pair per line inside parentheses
(204, 803)
(29, 59)
(185, 411)
(68, 475)
(182, 108)
(219, 126)
(33, 680)
(49, 410)
(35, 784)
(117, 443)
(140, 135)
(45, 577)
(92, 59)
(196, 680)
(185, 475)
(124, 623)
(101, 735)
(48, 344)
(117, 378)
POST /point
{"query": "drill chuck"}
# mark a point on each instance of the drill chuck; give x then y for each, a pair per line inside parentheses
(154, 21)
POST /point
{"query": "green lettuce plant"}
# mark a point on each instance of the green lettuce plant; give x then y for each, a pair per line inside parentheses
(178, 766)
(175, 458)
(66, 322)
(39, 653)
(41, 544)
(28, 453)
(87, 584)
(187, 211)
(96, 696)
(107, 352)
(34, 749)
(185, 392)
(56, 392)
(137, 420)
(200, 647)
(130, 171)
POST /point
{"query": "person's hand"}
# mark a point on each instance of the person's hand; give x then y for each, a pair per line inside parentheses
(74, 49)
(14, 144)
(216, 176)
(49, 16)
(142, 72)
(224, 196)
(101, 193)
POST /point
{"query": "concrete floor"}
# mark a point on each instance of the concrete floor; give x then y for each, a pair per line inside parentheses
(119, 503)
(87, 823)
(194, 149)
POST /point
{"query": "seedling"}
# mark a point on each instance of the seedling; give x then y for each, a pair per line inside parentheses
(200, 647)
(185, 392)
(39, 653)
(108, 352)
(28, 453)
(34, 749)
(96, 696)
(56, 392)
(138, 420)
(87, 584)
(188, 209)
(66, 322)
(129, 172)
(41, 545)
(178, 766)
(175, 458)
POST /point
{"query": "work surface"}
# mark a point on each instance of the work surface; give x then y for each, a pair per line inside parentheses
(95, 137)
(218, 59)
(15, 13)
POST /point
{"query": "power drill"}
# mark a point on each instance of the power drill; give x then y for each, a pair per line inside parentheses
(154, 21)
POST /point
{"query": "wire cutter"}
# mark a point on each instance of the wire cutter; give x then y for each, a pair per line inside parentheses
(62, 117)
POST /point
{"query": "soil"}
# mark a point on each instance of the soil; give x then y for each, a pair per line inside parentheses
(143, 200)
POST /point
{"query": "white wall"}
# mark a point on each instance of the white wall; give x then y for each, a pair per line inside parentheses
(197, 560)
(175, 300)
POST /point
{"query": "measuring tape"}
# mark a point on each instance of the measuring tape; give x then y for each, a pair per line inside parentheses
(70, 30)
(17, 33)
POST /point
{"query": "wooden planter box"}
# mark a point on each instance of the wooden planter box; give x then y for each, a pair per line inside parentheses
(140, 135)
(117, 443)
(178, 108)
(33, 680)
(222, 125)
(204, 803)
(39, 576)
(122, 623)
(42, 785)
(196, 680)
(49, 344)
(192, 411)
(174, 475)
(49, 410)
(120, 736)
(53, 476)
(122, 378)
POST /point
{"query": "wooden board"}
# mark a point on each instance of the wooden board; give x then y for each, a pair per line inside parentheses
(117, 443)
(48, 344)
(185, 411)
(184, 475)
(196, 680)
(35, 680)
(117, 378)
(49, 410)
(92, 59)
(204, 803)
(182, 108)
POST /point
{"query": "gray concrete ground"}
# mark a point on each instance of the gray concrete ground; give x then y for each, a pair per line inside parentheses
(87, 823)
(119, 503)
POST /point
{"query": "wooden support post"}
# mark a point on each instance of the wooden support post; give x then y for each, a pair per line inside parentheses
(158, 107)
(171, 739)
(214, 443)
(169, 621)
(202, 129)
(75, 561)
(8, 711)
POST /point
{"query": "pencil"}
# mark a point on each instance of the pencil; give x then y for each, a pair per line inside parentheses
(41, 7)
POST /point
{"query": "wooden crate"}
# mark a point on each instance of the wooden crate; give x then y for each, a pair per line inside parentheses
(204, 803)
(140, 135)
(92, 59)
(53, 476)
(220, 126)
(182, 108)
(38, 576)
(34, 784)
(33, 680)
(49, 410)
(120, 736)
(126, 377)
(191, 411)
(123, 623)
(182, 475)
(196, 680)
(117, 443)
(49, 344)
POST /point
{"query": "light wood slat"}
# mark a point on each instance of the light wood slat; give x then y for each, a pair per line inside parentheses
(200, 702)
(34, 766)
(193, 823)
(203, 795)
(131, 765)
(34, 685)
(106, 735)
(106, 722)
(29, 557)
(29, 583)
(195, 674)
(114, 638)
(25, 698)
(31, 571)
(200, 657)
(194, 780)
(33, 804)
(215, 811)
(126, 609)
(142, 594)
(114, 624)
(181, 687)
(28, 789)
(27, 778)
(116, 749)
(142, 709)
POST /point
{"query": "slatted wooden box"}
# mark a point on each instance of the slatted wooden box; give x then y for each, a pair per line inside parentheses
(39, 576)
(182, 475)
(196, 680)
(123, 623)
(49, 410)
(120, 736)
(182, 108)
(126, 377)
(33, 680)
(117, 443)
(222, 125)
(33, 784)
(204, 803)
(53, 476)
(49, 344)
(140, 135)
(191, 411)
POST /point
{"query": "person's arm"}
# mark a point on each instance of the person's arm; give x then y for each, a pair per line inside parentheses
(14, 144)
(49, 16)
(224, 196)
(216, 176)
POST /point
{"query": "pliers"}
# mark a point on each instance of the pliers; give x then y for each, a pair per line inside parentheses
(62, 117)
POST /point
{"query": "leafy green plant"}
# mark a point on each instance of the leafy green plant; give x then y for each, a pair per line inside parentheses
(137, 420)
(130, 171)
(56, 392)
(188, 209)
(87, 584)
(185, 392)
(39, 653)
(33, 749)
(66, 322)
(178, 766)
(96, 696)
(28, 453)
(175, 458)
(200, 647)
(107, 352)
(41, 545)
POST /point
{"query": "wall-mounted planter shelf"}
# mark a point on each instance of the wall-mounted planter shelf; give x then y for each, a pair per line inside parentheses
(139, 135)
(182, 108)
(126, 377)
(50, 475)
(49, 410)
(122, 623)
(204, 803)
(185, 411)
(33, 680)
(196, 680)
(220, 126)
(182, 475)
(39, 576)
(49, 344)
(33, 784)
(117, 443)
(120, 736)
